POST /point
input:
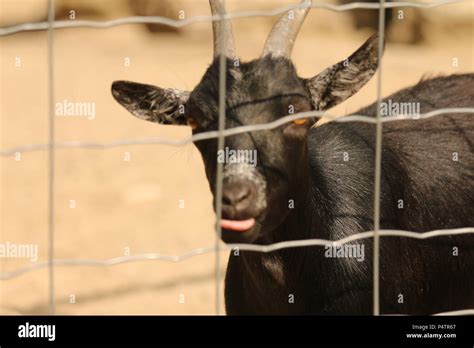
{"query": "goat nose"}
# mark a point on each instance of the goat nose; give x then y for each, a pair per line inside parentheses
(237, 196)
(234, 194)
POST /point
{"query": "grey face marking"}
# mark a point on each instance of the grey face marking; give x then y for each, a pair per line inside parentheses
(244, 171)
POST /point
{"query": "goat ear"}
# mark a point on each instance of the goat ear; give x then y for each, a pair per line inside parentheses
(150, 103)
(340, 81)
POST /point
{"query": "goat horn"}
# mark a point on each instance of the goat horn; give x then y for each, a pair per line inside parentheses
(283, 35)
(223, 27)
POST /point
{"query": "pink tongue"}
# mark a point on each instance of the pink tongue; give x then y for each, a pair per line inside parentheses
(237, 225)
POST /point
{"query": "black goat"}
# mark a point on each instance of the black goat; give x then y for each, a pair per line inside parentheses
(317, 182)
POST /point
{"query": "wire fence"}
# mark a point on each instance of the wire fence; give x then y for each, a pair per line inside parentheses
(220, 134)
(227, 132)
(178, 23)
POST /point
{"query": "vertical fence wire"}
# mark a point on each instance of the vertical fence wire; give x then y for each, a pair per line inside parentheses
(378, 165)
(51, 157)
(220, 147)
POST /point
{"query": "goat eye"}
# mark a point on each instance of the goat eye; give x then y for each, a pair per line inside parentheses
(192, 123)
(300, 121)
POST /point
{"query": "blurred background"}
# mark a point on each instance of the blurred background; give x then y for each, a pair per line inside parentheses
(155, 198)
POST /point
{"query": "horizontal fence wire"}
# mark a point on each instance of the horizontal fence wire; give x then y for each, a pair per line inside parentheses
(459, 312)
(177, 23)
(233, 246)
(229, 131)
(233, 131)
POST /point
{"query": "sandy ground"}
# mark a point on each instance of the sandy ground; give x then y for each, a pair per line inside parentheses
(134, 205)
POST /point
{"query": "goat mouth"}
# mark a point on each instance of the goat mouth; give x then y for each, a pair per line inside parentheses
(237, 225)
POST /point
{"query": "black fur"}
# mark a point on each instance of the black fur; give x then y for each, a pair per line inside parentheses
(333, 198)
(337, 201)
